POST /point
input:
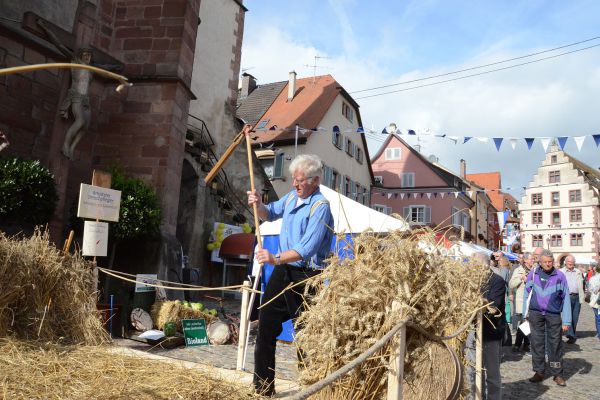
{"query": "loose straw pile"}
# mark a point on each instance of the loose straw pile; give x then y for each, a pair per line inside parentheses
(93, 372)
(45, 295)
(352, 309)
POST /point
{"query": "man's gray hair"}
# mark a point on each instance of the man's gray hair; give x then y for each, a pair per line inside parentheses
(526, 256)
(310, 164)
(481, 258)
(546, 253)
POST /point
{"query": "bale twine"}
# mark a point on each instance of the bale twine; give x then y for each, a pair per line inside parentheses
(45, 295)
(352, 309)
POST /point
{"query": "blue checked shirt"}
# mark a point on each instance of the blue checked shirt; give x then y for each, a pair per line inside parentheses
(309, 235)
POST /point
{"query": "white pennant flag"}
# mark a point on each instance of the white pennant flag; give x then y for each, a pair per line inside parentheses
(579, 141)
(483, 139)
(389, 195)
(442, 194)
(513, 143)
(415, 195)
(455, 138)
(456, 195)
(545, 142)
(429, 195)
(401, 195)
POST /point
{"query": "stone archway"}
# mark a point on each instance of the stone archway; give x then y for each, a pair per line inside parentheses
(561, 259)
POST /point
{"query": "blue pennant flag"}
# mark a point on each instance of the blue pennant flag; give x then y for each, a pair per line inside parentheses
(435, 194)
(395, 195)
(498, 142)
(411, 132)
(562, 140)
(596, 139)
(529, 142)
(360, 130)
(336, 129)
(384, 131)
(467, 138)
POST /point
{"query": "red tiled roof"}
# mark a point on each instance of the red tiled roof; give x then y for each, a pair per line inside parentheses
(492, 181)
(311, 101)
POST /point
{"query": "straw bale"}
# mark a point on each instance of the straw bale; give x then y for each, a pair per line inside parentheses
(52, 371)
(352, 309)
(41, 287)
(173, 311)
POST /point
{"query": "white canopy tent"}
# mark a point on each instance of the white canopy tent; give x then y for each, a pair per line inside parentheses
(349, 216)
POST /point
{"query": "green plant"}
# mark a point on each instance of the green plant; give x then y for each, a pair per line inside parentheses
(140, 211)
(27, 191)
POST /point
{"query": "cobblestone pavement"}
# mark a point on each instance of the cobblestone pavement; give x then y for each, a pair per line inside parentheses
(581, 364)
(581, 369)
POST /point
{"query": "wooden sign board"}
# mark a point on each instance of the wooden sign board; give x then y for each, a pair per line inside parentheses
(99, 203)
(194, 332)
(95, 239)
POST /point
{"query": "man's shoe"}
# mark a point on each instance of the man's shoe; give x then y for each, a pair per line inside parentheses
(515, 349)
(571, 340)
(560, 381)
(537, 377)
(526, 349)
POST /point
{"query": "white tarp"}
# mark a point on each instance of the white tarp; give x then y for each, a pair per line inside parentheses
(349, 216)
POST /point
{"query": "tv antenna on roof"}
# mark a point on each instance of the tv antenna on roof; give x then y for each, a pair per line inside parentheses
(315, 66)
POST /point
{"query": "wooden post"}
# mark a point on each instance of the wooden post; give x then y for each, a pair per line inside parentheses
(479, 357)
(396, 368)
(243, 326)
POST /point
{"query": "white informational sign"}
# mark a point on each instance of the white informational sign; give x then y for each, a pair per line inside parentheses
(95, 238)
(226, 230)
(141, 279)
(96, 202)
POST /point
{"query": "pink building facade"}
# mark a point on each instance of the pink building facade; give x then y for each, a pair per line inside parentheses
(424, 193)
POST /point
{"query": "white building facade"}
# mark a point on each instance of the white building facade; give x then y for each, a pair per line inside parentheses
(560, 209)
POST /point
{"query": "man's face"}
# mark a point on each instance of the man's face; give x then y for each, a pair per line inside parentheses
(528, 261)
(570, 263)
(536, 255)
(547, 263)
(304, 185)
(86, 57)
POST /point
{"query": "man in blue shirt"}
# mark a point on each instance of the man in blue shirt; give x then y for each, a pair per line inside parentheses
(304, 244)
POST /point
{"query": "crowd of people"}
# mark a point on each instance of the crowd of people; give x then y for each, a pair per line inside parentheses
(538, 301)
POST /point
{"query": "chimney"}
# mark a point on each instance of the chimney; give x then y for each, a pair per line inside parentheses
(292, 86)
(248, 85)
(463, 169)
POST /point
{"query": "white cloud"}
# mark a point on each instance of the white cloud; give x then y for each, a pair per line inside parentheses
(550, 98)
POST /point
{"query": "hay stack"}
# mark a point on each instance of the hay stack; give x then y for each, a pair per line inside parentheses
(94, 372)
(35, 277)
(353, 310)
(173, 311)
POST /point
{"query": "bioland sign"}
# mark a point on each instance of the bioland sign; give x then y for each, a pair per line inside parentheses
(194, 331)
(99, 203)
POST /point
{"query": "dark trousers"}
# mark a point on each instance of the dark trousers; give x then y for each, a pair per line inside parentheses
(575, 309)
(520, 338)
(546, 338)
(287, 306)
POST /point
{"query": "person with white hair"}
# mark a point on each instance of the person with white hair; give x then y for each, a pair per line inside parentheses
(594, 288)
(577, 295)
(304, 244)
(548, 311)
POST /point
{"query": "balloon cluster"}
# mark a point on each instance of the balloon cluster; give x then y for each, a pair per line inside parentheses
(218, 237)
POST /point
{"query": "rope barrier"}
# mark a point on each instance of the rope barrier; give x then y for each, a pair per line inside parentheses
(235, 288)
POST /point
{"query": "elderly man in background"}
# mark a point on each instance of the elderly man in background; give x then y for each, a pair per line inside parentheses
(549, 313)
(577, 295)
(594, 288)
(517, 283)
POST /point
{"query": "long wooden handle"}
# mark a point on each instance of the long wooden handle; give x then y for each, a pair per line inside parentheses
(213, 172)
(252, 188)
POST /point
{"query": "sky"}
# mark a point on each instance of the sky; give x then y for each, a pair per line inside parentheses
(366, 44)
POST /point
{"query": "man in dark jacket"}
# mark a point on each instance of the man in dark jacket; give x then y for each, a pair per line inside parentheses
(494, 325)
